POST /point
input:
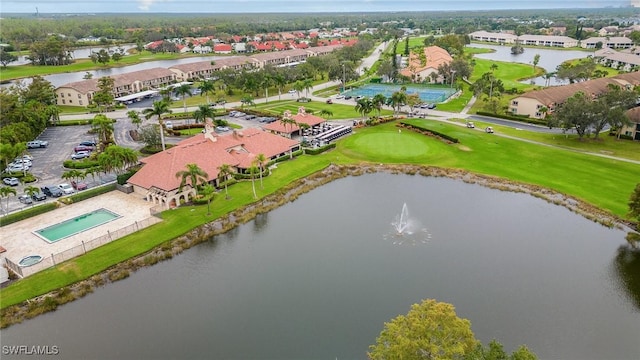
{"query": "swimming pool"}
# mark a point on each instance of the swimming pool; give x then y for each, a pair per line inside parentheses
(426, 94)
(30, 260)
(76, 225)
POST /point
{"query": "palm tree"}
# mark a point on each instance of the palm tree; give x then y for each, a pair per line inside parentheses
(7, 191)
(247, 100)
(117, 159)
(286, 120)
(134, 116)
(31, 190)
(103, 126)
(203, 113)
(252, 171)
(207, 87)
(183, 91)
(207, 191)
(364, 106)
(279, 81)
(261, 160)
(298, 86)
(398, 99)
(224, 172)
(193, 173)
(267, 80)
(159, 108)
(92, 171)
(377, 101)
(326, 113)
(72, 174)
(308, 84)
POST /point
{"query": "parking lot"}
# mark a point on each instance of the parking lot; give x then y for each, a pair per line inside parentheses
(47, 162)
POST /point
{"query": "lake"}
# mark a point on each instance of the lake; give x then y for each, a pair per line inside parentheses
(317, 279)
(549, 58)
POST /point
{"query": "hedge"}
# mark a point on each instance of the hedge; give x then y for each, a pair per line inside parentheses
(27, 213)
(439, 134)
(514, 118)
(89, 193)
(319, 150)
(82, 164)
(122, 178)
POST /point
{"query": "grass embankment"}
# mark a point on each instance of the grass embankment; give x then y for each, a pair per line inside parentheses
(602, 182)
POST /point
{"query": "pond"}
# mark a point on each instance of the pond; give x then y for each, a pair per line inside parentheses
(549, 58)
(317, 279)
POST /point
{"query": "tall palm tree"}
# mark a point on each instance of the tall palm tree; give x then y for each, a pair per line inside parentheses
(308, 84)
(207, 87)
(397, 99)
(183, 91)
(207, 191)
(193, 173)
(298, 86)
(224, 171)
(326, 113)
(7, 191)
(279, 80)
(159, 108)
(252, 171)
(31, 190)
(267, 80)
(203, 113)
(72, 174)
(260, 160)
(287, 121)
(92, 171)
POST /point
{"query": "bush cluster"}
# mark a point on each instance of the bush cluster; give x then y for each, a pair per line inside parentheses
(320, 150)
(428, 131)
(27, 213)
(89, 193)
(80, 164)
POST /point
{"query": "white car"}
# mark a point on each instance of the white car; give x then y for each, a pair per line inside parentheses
(168, 125)
(339, 96)
(80, 155)
(21, 162)
(292, 91)
(66, 188)
(11, 181)
(16, 168)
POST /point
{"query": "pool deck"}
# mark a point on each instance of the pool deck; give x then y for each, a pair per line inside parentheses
(20, 241)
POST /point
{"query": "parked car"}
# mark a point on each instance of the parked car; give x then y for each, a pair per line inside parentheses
(292, 91)
(66, 188)
(21, 162)
(329, 101)
(431, 106)
(80, 148)
(24, 157)
(339, 96)
(16, 168)
(232, 113)
(168, 125)
(35, 144)
(303, 100)
(88, 143)
(25, 199)
(489, 129)
(222, 129)
(51, 190)
(347, 97)
(39, 196)
(359, 97)
(80, 155)
(471, 125)
(78, 185)
(11, 181)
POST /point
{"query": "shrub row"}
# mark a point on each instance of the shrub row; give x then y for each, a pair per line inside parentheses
(526, 119)
(319, 150)
(73, 122)
(89, 193)
(27, 213)
(79, 164)
(122, 178)
(436, 133)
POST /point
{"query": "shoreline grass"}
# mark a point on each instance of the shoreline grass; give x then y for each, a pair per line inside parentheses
(604, 183)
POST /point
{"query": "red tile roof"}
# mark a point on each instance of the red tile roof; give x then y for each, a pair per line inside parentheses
(300, 117)
(222, 47)
(236, 149)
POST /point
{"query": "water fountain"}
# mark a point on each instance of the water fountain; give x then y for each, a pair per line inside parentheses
(407, 229)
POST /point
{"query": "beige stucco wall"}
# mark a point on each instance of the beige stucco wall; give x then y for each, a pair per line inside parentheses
(526, 106)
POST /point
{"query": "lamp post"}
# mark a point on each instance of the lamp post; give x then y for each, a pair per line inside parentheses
(453, 74)
(344, 77)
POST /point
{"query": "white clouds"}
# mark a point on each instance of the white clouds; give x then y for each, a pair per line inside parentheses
(144, 5)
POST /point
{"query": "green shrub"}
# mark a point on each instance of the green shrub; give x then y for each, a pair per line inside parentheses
(122, 178)
(89, 193)
(80, 164)
(436, 133)
(319, 150)
(522, 118)
(27, 213)
(74, 122)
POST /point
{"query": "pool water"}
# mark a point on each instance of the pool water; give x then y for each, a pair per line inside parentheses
(426, 94)
(76, 225)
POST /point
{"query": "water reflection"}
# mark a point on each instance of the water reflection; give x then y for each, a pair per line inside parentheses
(627, 266)
(260, 222)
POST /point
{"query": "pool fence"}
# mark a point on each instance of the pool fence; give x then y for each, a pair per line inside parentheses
(83, 248)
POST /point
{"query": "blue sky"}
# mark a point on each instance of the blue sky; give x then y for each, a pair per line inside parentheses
(256, 6)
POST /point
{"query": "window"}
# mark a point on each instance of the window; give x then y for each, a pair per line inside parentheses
(70, 101)
(79, 96)
(514, 103)
(538, 114)
(80, 102)
(69, 94)
(63, 102)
